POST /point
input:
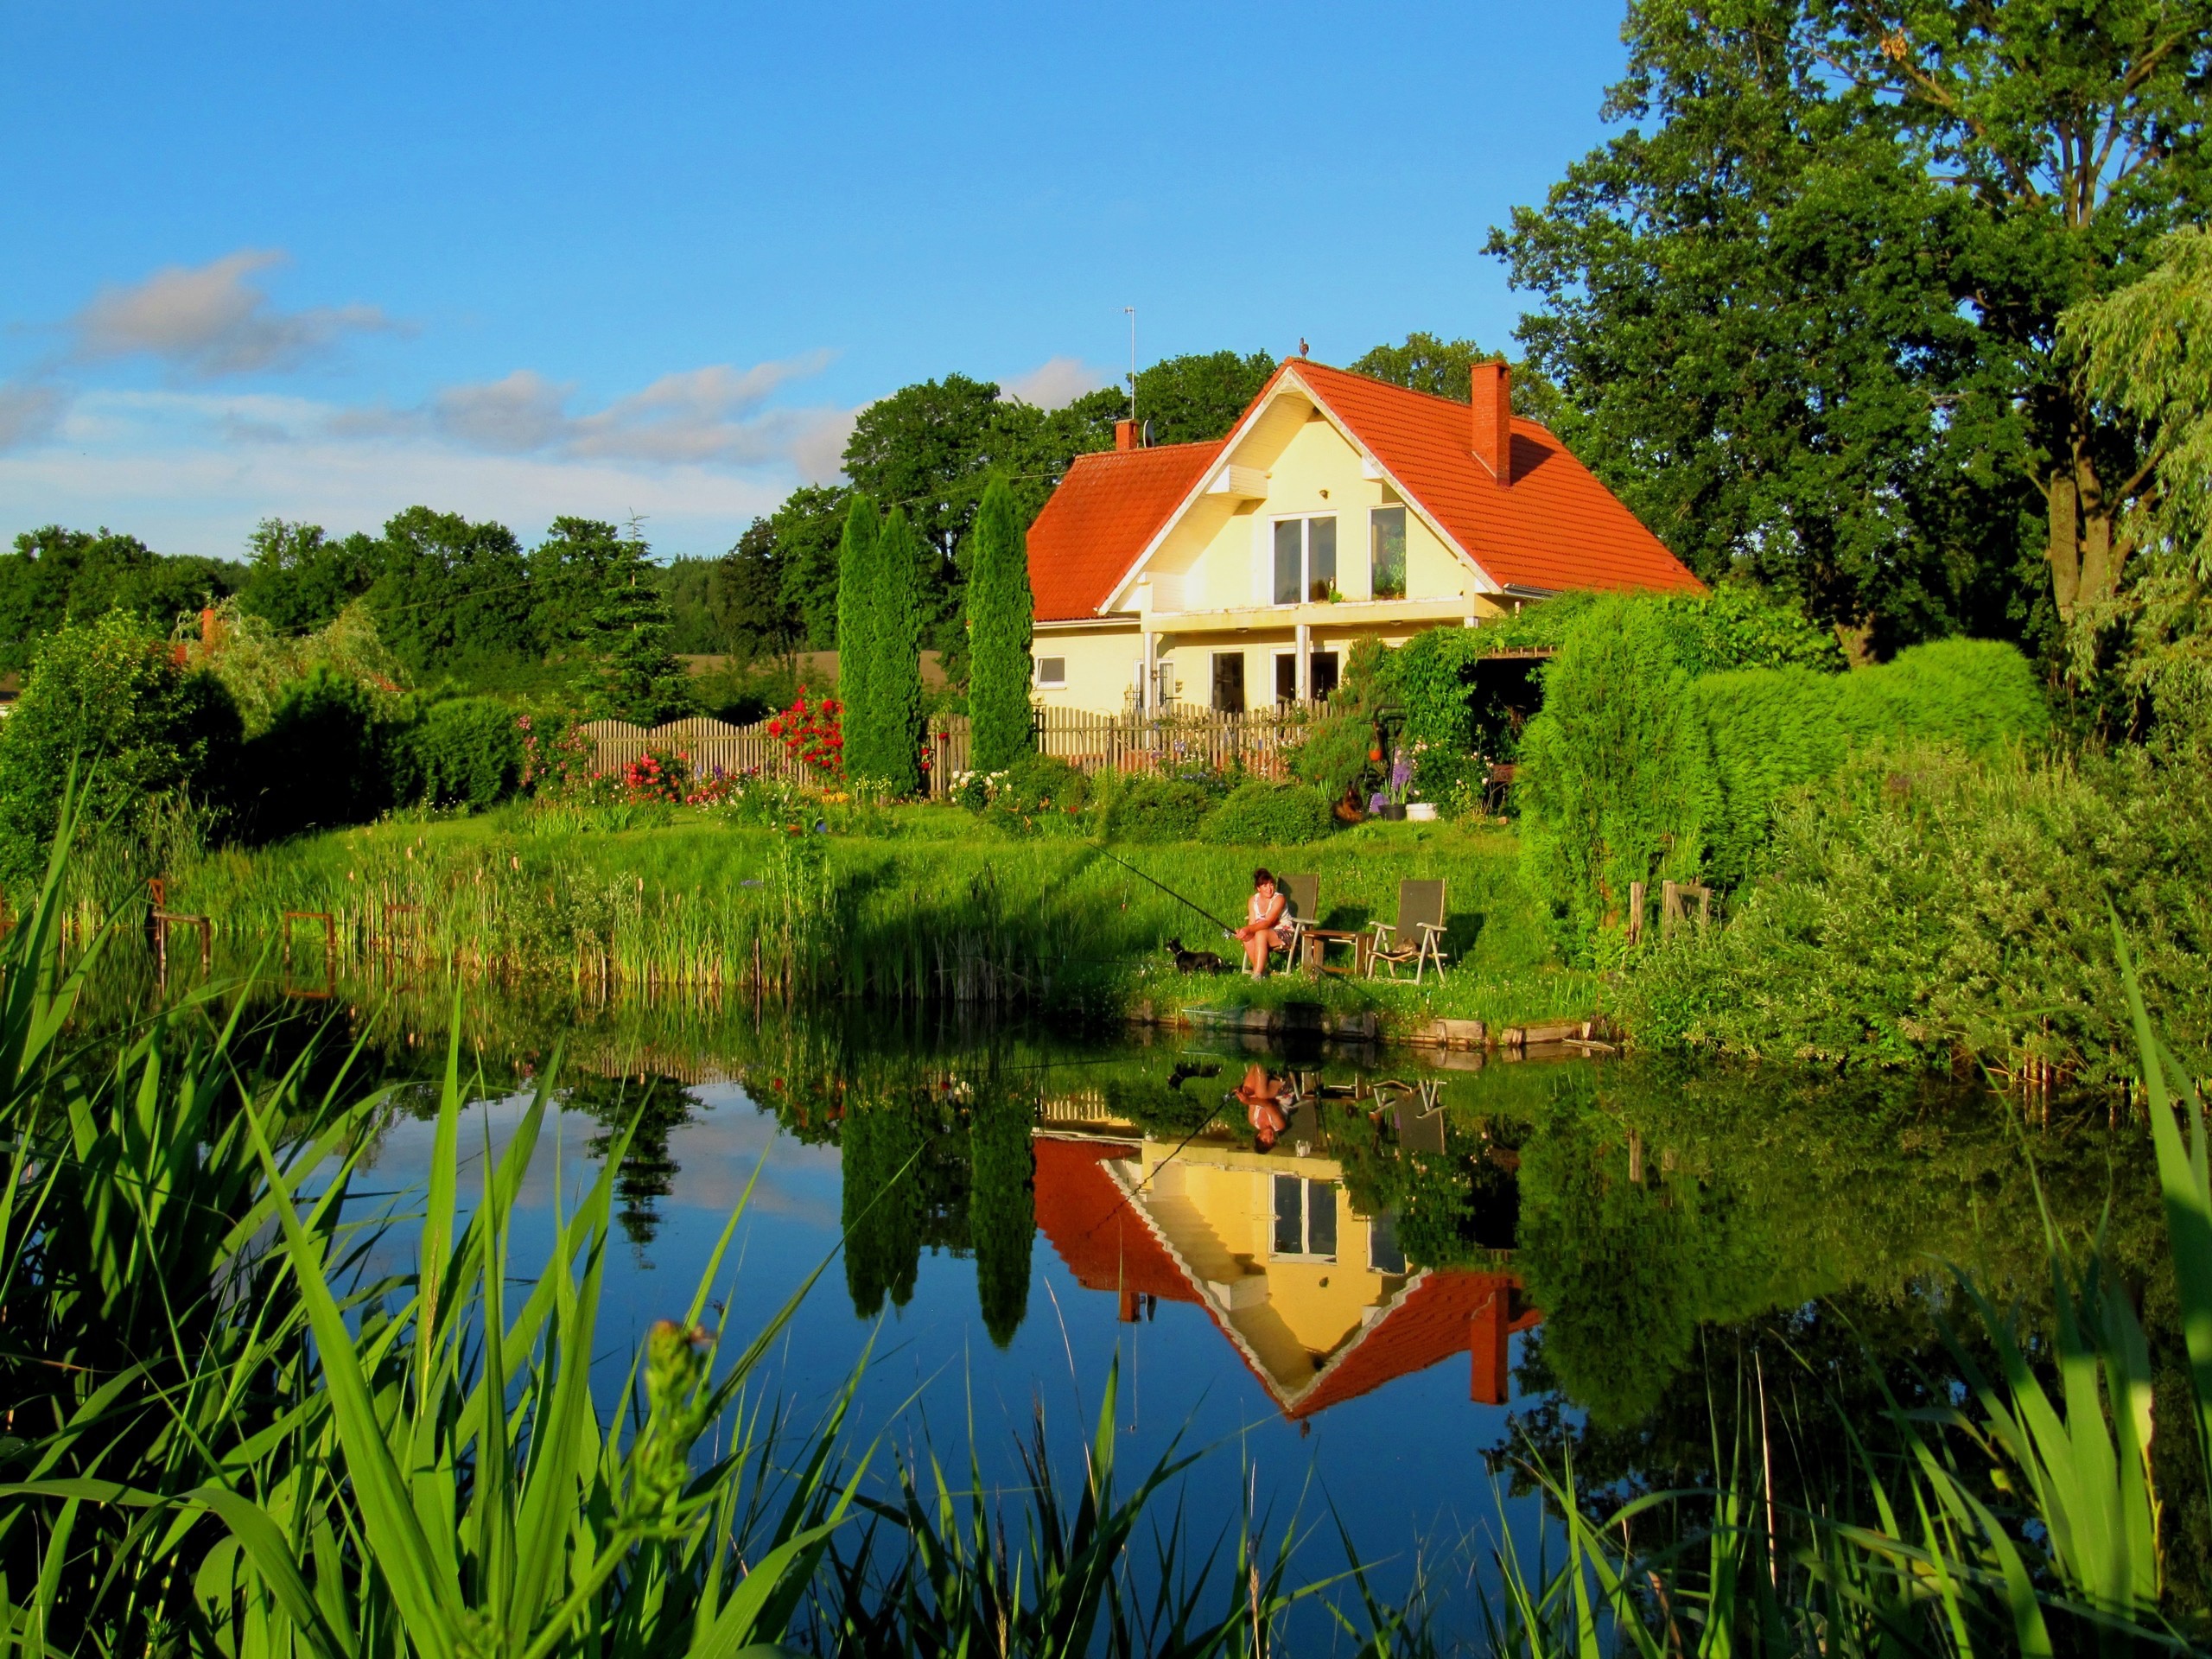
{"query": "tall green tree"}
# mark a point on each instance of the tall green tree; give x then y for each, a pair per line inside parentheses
(450, 595)
(808, 532)
(1805, 319)
(857, 576)
(2146, 353)
(895, 664)
(1443, 368)
(598, 599)
(57, 576)
(1001, 1200)
(745, 597)
(1197, 398)
(298, 579)
(1000, 613)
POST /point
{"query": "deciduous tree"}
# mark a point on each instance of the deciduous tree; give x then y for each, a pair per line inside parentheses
(856, 652)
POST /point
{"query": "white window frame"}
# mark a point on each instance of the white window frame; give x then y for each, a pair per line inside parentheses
(1407, 551)
(1304, 521)
(1042, 683)
(1305, 1185)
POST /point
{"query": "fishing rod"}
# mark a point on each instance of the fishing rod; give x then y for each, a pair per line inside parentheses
(1170, 893)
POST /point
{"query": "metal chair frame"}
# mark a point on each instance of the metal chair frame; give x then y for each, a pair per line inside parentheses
(1388, 950)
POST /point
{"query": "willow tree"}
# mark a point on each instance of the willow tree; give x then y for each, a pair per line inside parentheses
(856, 626)
(1000, 610)
(892, 755)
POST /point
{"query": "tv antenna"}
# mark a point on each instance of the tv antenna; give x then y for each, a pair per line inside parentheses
(1132, 310)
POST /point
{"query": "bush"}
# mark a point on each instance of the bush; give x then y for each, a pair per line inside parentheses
(110, 697)
(1041, 783)
(1920, 908)
(464, 751)
(1980, 694)
(1154, 810)
(1268, 815)
(1612, 779)
(322, 763)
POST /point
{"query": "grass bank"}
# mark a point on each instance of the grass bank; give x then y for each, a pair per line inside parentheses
(917, 905)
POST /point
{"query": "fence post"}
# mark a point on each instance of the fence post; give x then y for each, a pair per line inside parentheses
(1636, 902)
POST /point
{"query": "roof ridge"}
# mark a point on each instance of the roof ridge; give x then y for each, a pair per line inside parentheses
(1155, 448)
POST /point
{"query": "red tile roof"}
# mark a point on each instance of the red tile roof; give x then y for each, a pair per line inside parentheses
(1106, 1244)
(1555, 528)
(1106, 509)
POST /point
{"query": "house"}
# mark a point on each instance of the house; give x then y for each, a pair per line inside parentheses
(1238, 573)
(1316, 1300)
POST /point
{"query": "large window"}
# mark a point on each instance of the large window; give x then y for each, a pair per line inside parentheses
(1386, 537)
(1305, 1218)
(1305, 559)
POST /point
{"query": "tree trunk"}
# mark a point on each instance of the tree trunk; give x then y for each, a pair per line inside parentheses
(2100, 569)
(2065, 545)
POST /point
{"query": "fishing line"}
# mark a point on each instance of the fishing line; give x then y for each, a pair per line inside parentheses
(1170, 892)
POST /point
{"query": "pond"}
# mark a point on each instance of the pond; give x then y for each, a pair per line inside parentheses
(1365, 1284)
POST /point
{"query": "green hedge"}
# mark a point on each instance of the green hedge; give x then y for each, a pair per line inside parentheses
(465, 751)
(1154, 810)
(1268, 815)
(1640, 768)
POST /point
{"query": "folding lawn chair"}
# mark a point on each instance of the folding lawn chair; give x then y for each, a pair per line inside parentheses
(1304, 911)
(1417, 938)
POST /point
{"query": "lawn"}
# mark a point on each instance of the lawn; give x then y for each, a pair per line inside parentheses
(916, 903)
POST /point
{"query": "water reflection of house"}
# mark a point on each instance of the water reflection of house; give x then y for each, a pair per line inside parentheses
(1317, 1300)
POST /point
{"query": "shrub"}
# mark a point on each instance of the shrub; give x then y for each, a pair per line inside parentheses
(1268, 815)
(109, 696)
(322, 763)
(1612, 786)
(1041, 783)
(1980, 693)
(464, 751)
(813, 731)
(1154, 810)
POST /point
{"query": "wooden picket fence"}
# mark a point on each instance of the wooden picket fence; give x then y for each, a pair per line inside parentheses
(1166, 739)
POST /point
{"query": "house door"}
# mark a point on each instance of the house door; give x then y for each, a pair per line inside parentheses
(1229, 682)
(1286, 676)
(1324, 679)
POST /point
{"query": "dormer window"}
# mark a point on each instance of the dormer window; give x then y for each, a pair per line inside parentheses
(1305, 559)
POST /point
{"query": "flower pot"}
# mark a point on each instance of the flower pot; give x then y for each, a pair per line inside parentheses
(1420, 811)
(1393, 811)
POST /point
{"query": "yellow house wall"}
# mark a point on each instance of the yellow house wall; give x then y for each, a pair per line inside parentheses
(1101, 664)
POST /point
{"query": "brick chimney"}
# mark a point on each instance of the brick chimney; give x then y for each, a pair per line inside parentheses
(1126, 435)
(1493, 423)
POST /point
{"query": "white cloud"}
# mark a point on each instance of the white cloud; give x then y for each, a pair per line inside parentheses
(1057, 381)
(30, 411)
(193, 472)
(212, 319)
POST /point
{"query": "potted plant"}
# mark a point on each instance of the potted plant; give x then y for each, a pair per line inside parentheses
(1390, 802)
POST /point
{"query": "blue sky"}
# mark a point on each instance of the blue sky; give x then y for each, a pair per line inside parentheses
(323, 262)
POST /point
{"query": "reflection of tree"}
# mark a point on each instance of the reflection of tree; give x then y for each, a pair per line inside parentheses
(1002, 1206)
(882, 1145)
(1452, 1209)
(647, 1173)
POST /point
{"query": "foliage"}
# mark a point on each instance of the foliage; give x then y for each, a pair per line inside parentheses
(1197, 398)
(813, 731)
(109, 701)
(2147, 353)
(56, 578)
(463, 751)
(1268, 815)
(1001, 1204)
(659, 775)
(1000, 609)
(1920, 906)
(856, 638)
(1154, 810)
(1609, 787)
(324, 760)
(892, 756)
(1803, 309)
(259, 666)
(1022, 795)
(1443, 368)
(452, 594)
(597, 600)
(299, 581)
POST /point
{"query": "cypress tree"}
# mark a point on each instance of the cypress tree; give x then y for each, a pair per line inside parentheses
(893, 756)
(999, 613)
(856, 623)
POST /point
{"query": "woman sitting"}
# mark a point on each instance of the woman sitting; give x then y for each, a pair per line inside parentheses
(1263, 917)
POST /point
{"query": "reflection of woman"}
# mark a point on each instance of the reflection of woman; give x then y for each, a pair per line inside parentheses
(1262, 1098)
(1262, 917)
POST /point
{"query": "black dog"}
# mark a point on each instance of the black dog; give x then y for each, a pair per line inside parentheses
(1195, 962)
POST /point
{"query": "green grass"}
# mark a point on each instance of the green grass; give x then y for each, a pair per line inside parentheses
(914, 905)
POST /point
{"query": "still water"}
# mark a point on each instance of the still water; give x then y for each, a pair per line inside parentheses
(1362, 1283)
